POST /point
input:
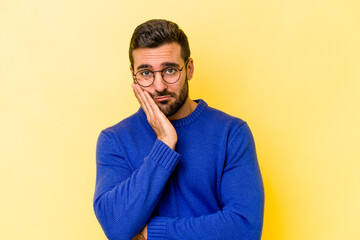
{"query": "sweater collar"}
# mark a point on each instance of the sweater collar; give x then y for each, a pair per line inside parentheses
(183, 121)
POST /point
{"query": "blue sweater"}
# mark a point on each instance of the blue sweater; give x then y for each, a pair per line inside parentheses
(210, 187)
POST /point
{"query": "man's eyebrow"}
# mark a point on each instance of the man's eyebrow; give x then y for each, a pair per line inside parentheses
(165, 64)
(143, 66)
(170, 64)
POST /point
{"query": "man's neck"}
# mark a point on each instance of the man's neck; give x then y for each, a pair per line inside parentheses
(188, 107)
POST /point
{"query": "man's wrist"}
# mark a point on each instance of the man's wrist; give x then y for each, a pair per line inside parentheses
(169, 143)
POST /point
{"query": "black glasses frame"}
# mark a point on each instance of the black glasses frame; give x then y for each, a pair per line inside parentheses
(162, 75)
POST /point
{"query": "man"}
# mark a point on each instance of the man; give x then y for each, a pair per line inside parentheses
(177, 168)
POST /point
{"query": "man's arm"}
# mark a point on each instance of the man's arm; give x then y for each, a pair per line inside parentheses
(125, 198)
(242, 198)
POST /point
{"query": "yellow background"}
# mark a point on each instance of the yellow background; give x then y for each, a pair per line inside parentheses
(291, 69)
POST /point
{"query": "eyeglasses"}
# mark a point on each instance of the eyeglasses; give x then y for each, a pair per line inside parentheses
(170, 75)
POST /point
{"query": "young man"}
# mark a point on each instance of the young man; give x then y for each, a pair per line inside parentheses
(177, 168)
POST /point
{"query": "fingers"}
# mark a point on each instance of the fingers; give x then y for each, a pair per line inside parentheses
(154, 108)
(144, 102)
(137, 237)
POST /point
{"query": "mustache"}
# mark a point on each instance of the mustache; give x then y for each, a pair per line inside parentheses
(162, 93)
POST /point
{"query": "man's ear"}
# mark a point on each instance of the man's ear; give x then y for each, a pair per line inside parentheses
(132, 72)
(190, 68)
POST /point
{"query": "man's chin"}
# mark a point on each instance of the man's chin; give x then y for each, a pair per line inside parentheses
(166, 109)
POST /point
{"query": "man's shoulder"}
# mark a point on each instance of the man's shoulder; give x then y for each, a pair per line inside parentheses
(235, 127)
(217, 116)
(125, 125)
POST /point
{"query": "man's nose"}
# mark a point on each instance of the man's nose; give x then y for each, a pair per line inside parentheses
(159, 84)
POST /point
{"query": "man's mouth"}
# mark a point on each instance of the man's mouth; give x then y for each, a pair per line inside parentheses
(162, 98)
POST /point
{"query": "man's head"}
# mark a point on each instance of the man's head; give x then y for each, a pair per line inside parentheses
(159, 48)
(156, 32)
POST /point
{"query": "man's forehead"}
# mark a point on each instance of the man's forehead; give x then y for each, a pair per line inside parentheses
(157, 56)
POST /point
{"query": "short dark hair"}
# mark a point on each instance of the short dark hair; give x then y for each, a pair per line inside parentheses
(155, 32)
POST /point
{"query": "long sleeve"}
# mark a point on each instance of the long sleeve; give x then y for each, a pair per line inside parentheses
(126, 197)
(242, 198)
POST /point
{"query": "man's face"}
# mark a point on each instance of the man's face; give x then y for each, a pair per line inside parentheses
(169, 97)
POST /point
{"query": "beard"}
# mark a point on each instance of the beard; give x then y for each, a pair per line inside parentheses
(171, 109)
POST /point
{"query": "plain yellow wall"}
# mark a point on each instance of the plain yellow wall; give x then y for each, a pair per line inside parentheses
(291, 69)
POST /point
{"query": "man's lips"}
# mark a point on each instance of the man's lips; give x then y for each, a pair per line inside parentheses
(162, 98)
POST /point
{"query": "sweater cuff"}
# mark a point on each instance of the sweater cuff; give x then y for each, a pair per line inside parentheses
(157, 228)
(163, 155)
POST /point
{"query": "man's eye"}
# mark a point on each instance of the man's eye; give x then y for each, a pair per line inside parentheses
(170, 71)
(145, 73)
